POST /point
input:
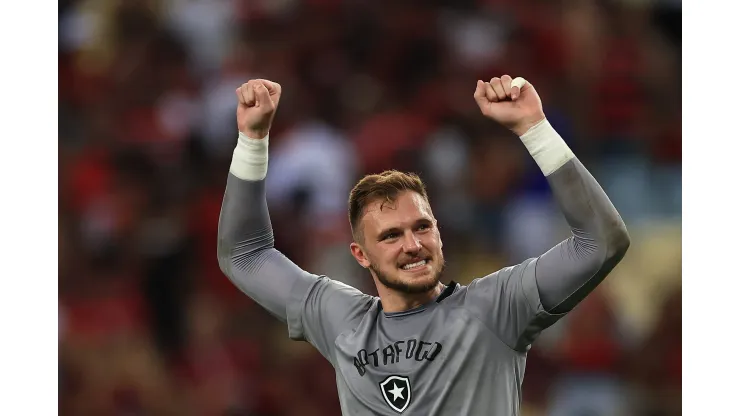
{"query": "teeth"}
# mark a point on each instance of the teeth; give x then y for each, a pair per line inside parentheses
(412, 265)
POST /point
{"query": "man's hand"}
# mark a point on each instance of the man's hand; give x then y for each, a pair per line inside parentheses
(258, 101)
(512, 103)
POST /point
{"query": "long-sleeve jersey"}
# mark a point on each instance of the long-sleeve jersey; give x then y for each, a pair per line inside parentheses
(461, 354)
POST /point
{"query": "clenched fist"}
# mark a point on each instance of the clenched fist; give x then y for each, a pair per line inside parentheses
(258, 101)
(512, 103)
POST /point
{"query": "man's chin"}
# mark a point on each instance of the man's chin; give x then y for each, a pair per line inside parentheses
(421, 285)
(412, 288)
(411, 284)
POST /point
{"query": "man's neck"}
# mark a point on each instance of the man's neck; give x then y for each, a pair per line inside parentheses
(394, 301)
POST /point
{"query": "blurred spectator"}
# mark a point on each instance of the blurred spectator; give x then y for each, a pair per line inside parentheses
(657, 362)
(590, 356)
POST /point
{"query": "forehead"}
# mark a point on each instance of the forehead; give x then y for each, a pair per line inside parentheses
(408, 207)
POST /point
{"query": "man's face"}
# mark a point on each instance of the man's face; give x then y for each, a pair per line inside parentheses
(401, 244)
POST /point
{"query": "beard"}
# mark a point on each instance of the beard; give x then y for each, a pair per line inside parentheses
(417, 286)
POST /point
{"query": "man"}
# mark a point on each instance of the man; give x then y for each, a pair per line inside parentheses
(421, 347)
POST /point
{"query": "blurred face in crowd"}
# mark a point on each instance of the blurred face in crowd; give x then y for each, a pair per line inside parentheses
(400, 243)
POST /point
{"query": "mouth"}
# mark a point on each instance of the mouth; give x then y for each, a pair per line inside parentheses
(415, 265)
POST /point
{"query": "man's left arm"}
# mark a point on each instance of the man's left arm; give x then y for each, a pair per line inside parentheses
(531, 296)
(572, 269)
(568, 272)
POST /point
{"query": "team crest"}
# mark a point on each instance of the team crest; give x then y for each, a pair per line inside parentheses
(396, 391)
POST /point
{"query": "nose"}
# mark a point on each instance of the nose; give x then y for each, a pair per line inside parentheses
(411, 244)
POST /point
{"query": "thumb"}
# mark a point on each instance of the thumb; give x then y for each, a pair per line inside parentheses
(263, 97)
(480, 94)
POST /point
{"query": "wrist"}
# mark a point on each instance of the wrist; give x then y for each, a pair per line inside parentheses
(523, 127)
(547, 148)
(254, 134)
(250, 158)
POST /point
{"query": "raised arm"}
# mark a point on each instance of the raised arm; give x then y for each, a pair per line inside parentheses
(599, 239)
(246, 250)
(528, 297)
(315, 308)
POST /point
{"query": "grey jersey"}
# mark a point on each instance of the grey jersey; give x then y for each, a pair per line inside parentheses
(462, 354)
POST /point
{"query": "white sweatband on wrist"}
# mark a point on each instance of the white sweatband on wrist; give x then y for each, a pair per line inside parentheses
(249, 161)
(548, 149)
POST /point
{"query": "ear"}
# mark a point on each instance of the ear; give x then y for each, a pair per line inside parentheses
(359, 254)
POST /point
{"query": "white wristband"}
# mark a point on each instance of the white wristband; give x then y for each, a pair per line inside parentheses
(249, 161)
(548, 149)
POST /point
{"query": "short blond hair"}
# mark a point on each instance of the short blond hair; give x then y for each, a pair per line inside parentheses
(386, 186)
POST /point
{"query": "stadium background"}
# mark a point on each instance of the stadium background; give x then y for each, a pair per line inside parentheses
(149, 325)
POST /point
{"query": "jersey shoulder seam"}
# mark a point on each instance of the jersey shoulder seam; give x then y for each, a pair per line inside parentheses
(349, 331)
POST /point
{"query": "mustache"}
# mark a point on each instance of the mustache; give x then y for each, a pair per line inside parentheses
(414, 259)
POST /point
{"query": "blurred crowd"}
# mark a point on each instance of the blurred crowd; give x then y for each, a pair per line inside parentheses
(148, 324)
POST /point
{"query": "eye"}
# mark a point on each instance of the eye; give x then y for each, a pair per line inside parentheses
(424, 227)
(390, 236)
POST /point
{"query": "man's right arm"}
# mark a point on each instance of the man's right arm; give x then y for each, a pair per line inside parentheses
(246, 247)
(315, 308)
(247, 254)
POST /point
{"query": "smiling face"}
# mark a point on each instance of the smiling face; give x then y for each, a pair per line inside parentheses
(399, 243)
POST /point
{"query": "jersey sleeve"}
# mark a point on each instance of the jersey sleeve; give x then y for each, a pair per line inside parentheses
(568, 272)
(315, 308)
(520, 301)
(508, 303)
(328, 308)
